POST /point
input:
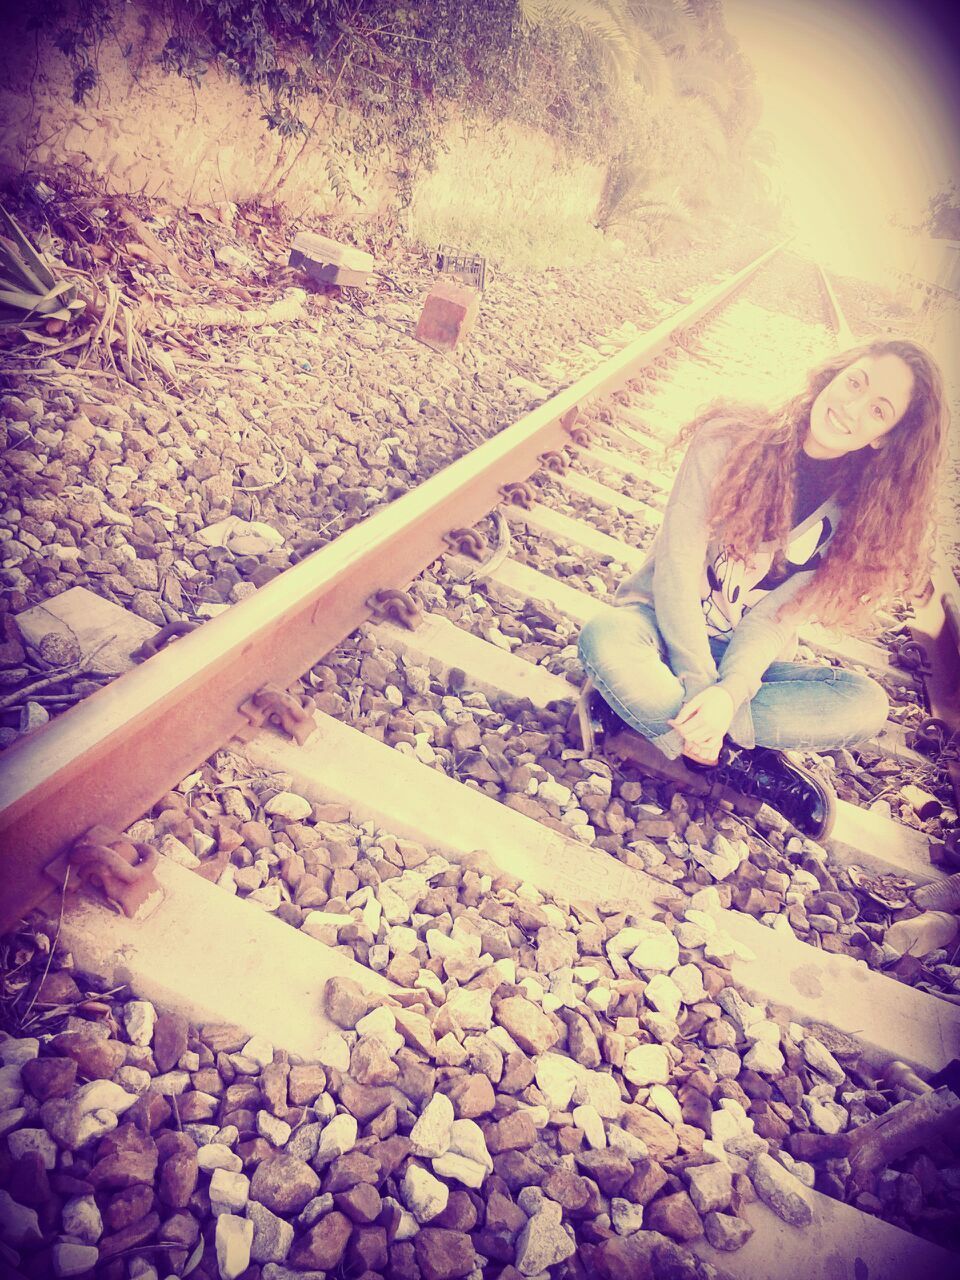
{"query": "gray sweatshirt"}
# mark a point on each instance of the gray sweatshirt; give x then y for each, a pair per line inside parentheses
(698, 590)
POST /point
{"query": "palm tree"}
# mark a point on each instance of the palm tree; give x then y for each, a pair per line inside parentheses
(632, 53)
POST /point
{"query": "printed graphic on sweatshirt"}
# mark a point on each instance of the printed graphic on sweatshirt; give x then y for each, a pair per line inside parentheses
(733, 587)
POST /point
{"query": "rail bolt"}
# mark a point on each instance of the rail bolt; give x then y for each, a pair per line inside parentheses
(397, 606)
(910, 655)
(290, 712)
(469, 542)
(555, 461)
(120, 868)
(520, 494)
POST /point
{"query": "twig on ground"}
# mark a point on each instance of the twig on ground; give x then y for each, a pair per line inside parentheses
(74, 669)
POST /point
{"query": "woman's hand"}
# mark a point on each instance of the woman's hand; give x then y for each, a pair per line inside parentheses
(703, 721)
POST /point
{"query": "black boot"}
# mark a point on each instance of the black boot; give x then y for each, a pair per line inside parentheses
(807, 803)
(594, 720)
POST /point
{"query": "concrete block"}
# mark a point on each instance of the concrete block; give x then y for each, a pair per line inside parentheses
(448, 315)
(90, 620)
(328, 262)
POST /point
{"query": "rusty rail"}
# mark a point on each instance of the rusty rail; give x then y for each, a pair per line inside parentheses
(844, 333)
(935, 627)
(107, 759)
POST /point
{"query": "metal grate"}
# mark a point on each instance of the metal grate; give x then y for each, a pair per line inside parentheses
(471, 268)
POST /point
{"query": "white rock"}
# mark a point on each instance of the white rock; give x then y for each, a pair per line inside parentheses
(382, 1025)
(663, 994)
(33, 1141)
(229, 1192)
(557, 1078)
(764, 1058)
(689, 982)
(259, 1050)
(543, 1242)
(139, 1019)
(408, 1225)
(81, 1219)
(233, 1240)
(401, 939)
(467, 1140)
(662, 1100)
(71, 1259)
(647, 1064)
(276, 1131)
(765, 1030)
(826, 1117)
(423, 1194)
(333, 1051)
(16, 1051)
(620, 1139)
(337, 1138)
(460, 1169)
(588, 1119)
(172, 1083)
(599, 998)
(659, 952)
(704, 900)
(821, 1059)
(272, 1235)
(625, 1217)
(216, 1155)
(287, 804)
(599, 1089)
(268, 898)
(103, 1095)
(469, 1010)
(133, 1079)
(430, 1136)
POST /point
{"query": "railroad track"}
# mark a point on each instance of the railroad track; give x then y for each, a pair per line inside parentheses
(461, 691)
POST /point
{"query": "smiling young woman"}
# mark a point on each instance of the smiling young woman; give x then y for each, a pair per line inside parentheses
(816, 511)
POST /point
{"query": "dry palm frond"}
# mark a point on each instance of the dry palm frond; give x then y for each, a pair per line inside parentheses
(31, 297)
(39, 306)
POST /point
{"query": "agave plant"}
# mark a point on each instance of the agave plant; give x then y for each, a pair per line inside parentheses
(31, 297)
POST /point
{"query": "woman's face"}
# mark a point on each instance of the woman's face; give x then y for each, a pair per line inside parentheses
(858, 408)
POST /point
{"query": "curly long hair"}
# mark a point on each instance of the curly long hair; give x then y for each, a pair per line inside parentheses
(882, 545)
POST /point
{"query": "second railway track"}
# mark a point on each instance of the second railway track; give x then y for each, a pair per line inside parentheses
(445, 768)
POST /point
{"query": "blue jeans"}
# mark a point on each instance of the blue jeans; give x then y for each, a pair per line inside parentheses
(798, 705)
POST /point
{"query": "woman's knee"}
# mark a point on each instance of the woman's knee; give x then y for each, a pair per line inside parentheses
(606, 637)
(863, 710)
(873, 703)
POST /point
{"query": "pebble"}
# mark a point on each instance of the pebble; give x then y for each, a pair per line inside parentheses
(543, 1242)
(430, 1136)
(70, 1259)
(780, 1190)
(423, 1194)
(233, 1241)
(229, 1192)
(81, 1218)
(288, 805)
(272, 1235)
(647, 1064)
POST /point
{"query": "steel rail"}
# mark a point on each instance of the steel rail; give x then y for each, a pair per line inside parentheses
(110, 757)
(844, 332)
(935, 621)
